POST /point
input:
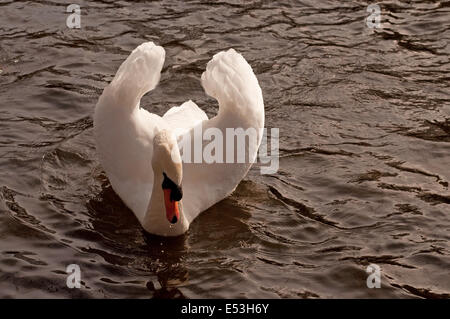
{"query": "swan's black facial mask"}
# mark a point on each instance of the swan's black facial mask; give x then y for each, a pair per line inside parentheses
(172, 195)
(176, 192)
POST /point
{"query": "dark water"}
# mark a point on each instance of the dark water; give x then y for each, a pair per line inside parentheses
(364, 118)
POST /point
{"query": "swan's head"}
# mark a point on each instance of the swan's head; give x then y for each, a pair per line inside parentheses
(166, 162)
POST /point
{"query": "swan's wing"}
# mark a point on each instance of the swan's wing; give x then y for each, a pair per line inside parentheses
(184, 117)
(123, 141)
(230, 80)
(138, 74)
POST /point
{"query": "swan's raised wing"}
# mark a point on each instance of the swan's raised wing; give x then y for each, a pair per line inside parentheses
(138, 74)
(184, 117)
(124, 132)
(231, 81)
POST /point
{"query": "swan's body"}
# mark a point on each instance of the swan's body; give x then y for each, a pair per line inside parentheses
(133, 144)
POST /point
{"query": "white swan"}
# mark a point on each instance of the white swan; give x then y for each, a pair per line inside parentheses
(139, 150)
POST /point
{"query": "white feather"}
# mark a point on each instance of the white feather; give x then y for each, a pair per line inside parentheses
(125, 135)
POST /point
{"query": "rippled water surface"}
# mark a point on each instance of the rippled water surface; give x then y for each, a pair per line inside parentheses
(364, 118)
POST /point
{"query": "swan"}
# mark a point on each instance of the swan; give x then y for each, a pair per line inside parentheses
(140, 152)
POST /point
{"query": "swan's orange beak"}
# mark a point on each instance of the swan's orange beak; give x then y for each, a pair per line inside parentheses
(172, 211)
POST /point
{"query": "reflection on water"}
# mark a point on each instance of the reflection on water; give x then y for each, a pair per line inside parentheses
(364, 137)
(119, 228)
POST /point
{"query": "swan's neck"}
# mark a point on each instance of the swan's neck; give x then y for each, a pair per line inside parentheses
(155, 220)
